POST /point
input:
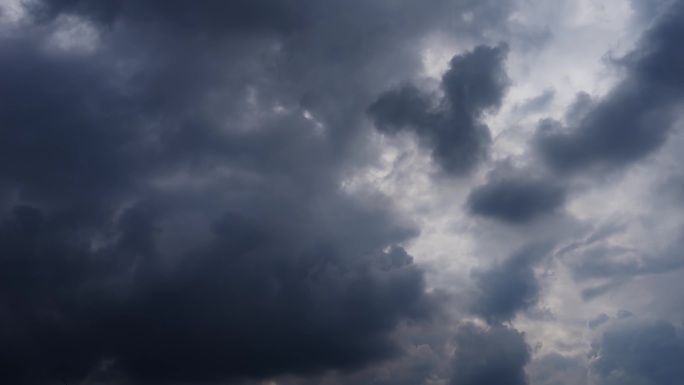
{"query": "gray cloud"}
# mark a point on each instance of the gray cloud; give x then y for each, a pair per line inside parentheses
(496, 355)
(422, 363)
(639, 351)
(450, 127)
(516, 197)
(635, 118)
(171, 204)
(510, 286)
(258, 300)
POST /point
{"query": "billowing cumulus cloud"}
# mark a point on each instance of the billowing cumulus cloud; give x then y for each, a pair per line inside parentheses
(173, 210)
(516, 196)
(489, 356)
(510, 286)
(451, 126)
(636, 351)
(635, 118)
(516, 200)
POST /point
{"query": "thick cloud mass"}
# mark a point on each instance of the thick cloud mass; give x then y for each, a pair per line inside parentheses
(635, 118)
(516, 199)
(171, 202)
(451, 126)
(258, 300)
(636, 351)
(496, 355)
(510, 286)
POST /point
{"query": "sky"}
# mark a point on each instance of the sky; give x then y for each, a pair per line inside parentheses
(333, 192)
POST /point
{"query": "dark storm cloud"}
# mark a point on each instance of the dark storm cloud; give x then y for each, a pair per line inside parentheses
(67, 135)
(510, 286)
(421, 365)
(256, 301)
(515, 197)
(171, 214)
(272, 306)
(635, 118)
(496, 355)
(171, 209)
(639, 351)
(451, 127)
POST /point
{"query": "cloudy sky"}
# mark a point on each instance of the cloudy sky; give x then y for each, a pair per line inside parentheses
(333, 192)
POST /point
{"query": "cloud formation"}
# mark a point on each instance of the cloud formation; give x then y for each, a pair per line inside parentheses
(489, 356)
(450, 126)
(516, 197)
(510, 286)
(635, 118)
(173, 210)
(638, 351)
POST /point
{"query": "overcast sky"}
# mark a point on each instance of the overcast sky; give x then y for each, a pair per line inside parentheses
(334, 192)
